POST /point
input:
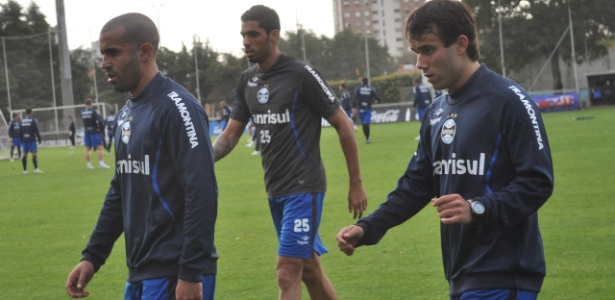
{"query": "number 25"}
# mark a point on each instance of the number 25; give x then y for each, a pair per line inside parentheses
(302, 225)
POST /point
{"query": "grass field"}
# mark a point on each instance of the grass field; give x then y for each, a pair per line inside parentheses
(46, 219)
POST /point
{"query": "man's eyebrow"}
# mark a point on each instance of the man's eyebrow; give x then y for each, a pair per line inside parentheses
(251, 31)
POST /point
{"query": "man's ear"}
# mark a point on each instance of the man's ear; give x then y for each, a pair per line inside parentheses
(274, 35)
(461, 45)
(145, 51)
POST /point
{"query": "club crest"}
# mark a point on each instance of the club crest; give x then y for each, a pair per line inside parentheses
(263, 95)
(448, 131)
(126, 130)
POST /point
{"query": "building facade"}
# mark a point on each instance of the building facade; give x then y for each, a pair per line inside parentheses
(383, 20)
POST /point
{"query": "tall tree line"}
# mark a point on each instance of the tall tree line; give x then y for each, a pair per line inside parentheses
(29, 69)
(531, 30)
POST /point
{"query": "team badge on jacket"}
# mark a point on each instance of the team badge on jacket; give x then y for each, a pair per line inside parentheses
(126, 132)
(263, 95)
(448, 131)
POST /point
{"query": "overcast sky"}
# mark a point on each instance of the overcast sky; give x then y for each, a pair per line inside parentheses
(180, 20)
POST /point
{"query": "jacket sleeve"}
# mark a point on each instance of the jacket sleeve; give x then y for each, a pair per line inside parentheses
(524, 139)
(35, 130)
(375, 95)
(190, 145)
(11, 130)
(417, 96)
(108, 229)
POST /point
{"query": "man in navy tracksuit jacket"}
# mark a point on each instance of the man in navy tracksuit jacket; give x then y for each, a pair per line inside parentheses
(422, 97)
(15, 135)
(364, 95)
(483, 162)
(163, 196)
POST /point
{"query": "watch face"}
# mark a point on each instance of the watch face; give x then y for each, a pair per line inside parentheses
(478, 207)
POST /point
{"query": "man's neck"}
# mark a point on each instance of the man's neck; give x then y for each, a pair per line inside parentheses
(269, 61)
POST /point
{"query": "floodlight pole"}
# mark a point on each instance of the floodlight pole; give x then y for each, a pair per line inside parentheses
(53, 85)
(499, 11)
(196, 67)
(366, 41)
(6, 75)
(573, 53)
(300, 34)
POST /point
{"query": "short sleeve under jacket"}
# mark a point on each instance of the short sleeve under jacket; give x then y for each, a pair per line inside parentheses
(287, 104)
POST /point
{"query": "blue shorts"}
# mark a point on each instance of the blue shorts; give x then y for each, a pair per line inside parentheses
(16, 142)
(366, 116)
(164, 288)
(29, 147)
(497, 294)
(296, 219)
(92, 140)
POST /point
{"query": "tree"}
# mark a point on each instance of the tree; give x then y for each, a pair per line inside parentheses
(342, 57)
(532, 29)
(26, 46)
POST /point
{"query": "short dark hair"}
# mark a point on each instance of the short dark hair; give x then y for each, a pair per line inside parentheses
(28, 111)
(88, 101)
(266, 17)
(365, 80)
(138, 29)
(343, 85)
(448, 19)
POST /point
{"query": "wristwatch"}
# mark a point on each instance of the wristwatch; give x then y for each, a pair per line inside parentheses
(478, 210)
(477, 207)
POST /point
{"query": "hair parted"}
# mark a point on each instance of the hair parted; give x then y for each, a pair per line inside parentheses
(266, 17)
(448, 19)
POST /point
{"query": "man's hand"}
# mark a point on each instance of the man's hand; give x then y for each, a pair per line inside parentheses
(357, 201)
(453, 209)
(187, 290)
(348, 238)
(79, 278)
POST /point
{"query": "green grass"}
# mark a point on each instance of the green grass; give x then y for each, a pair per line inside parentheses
(46, 219)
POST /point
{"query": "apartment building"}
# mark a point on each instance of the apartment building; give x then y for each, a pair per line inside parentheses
(383, 20)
